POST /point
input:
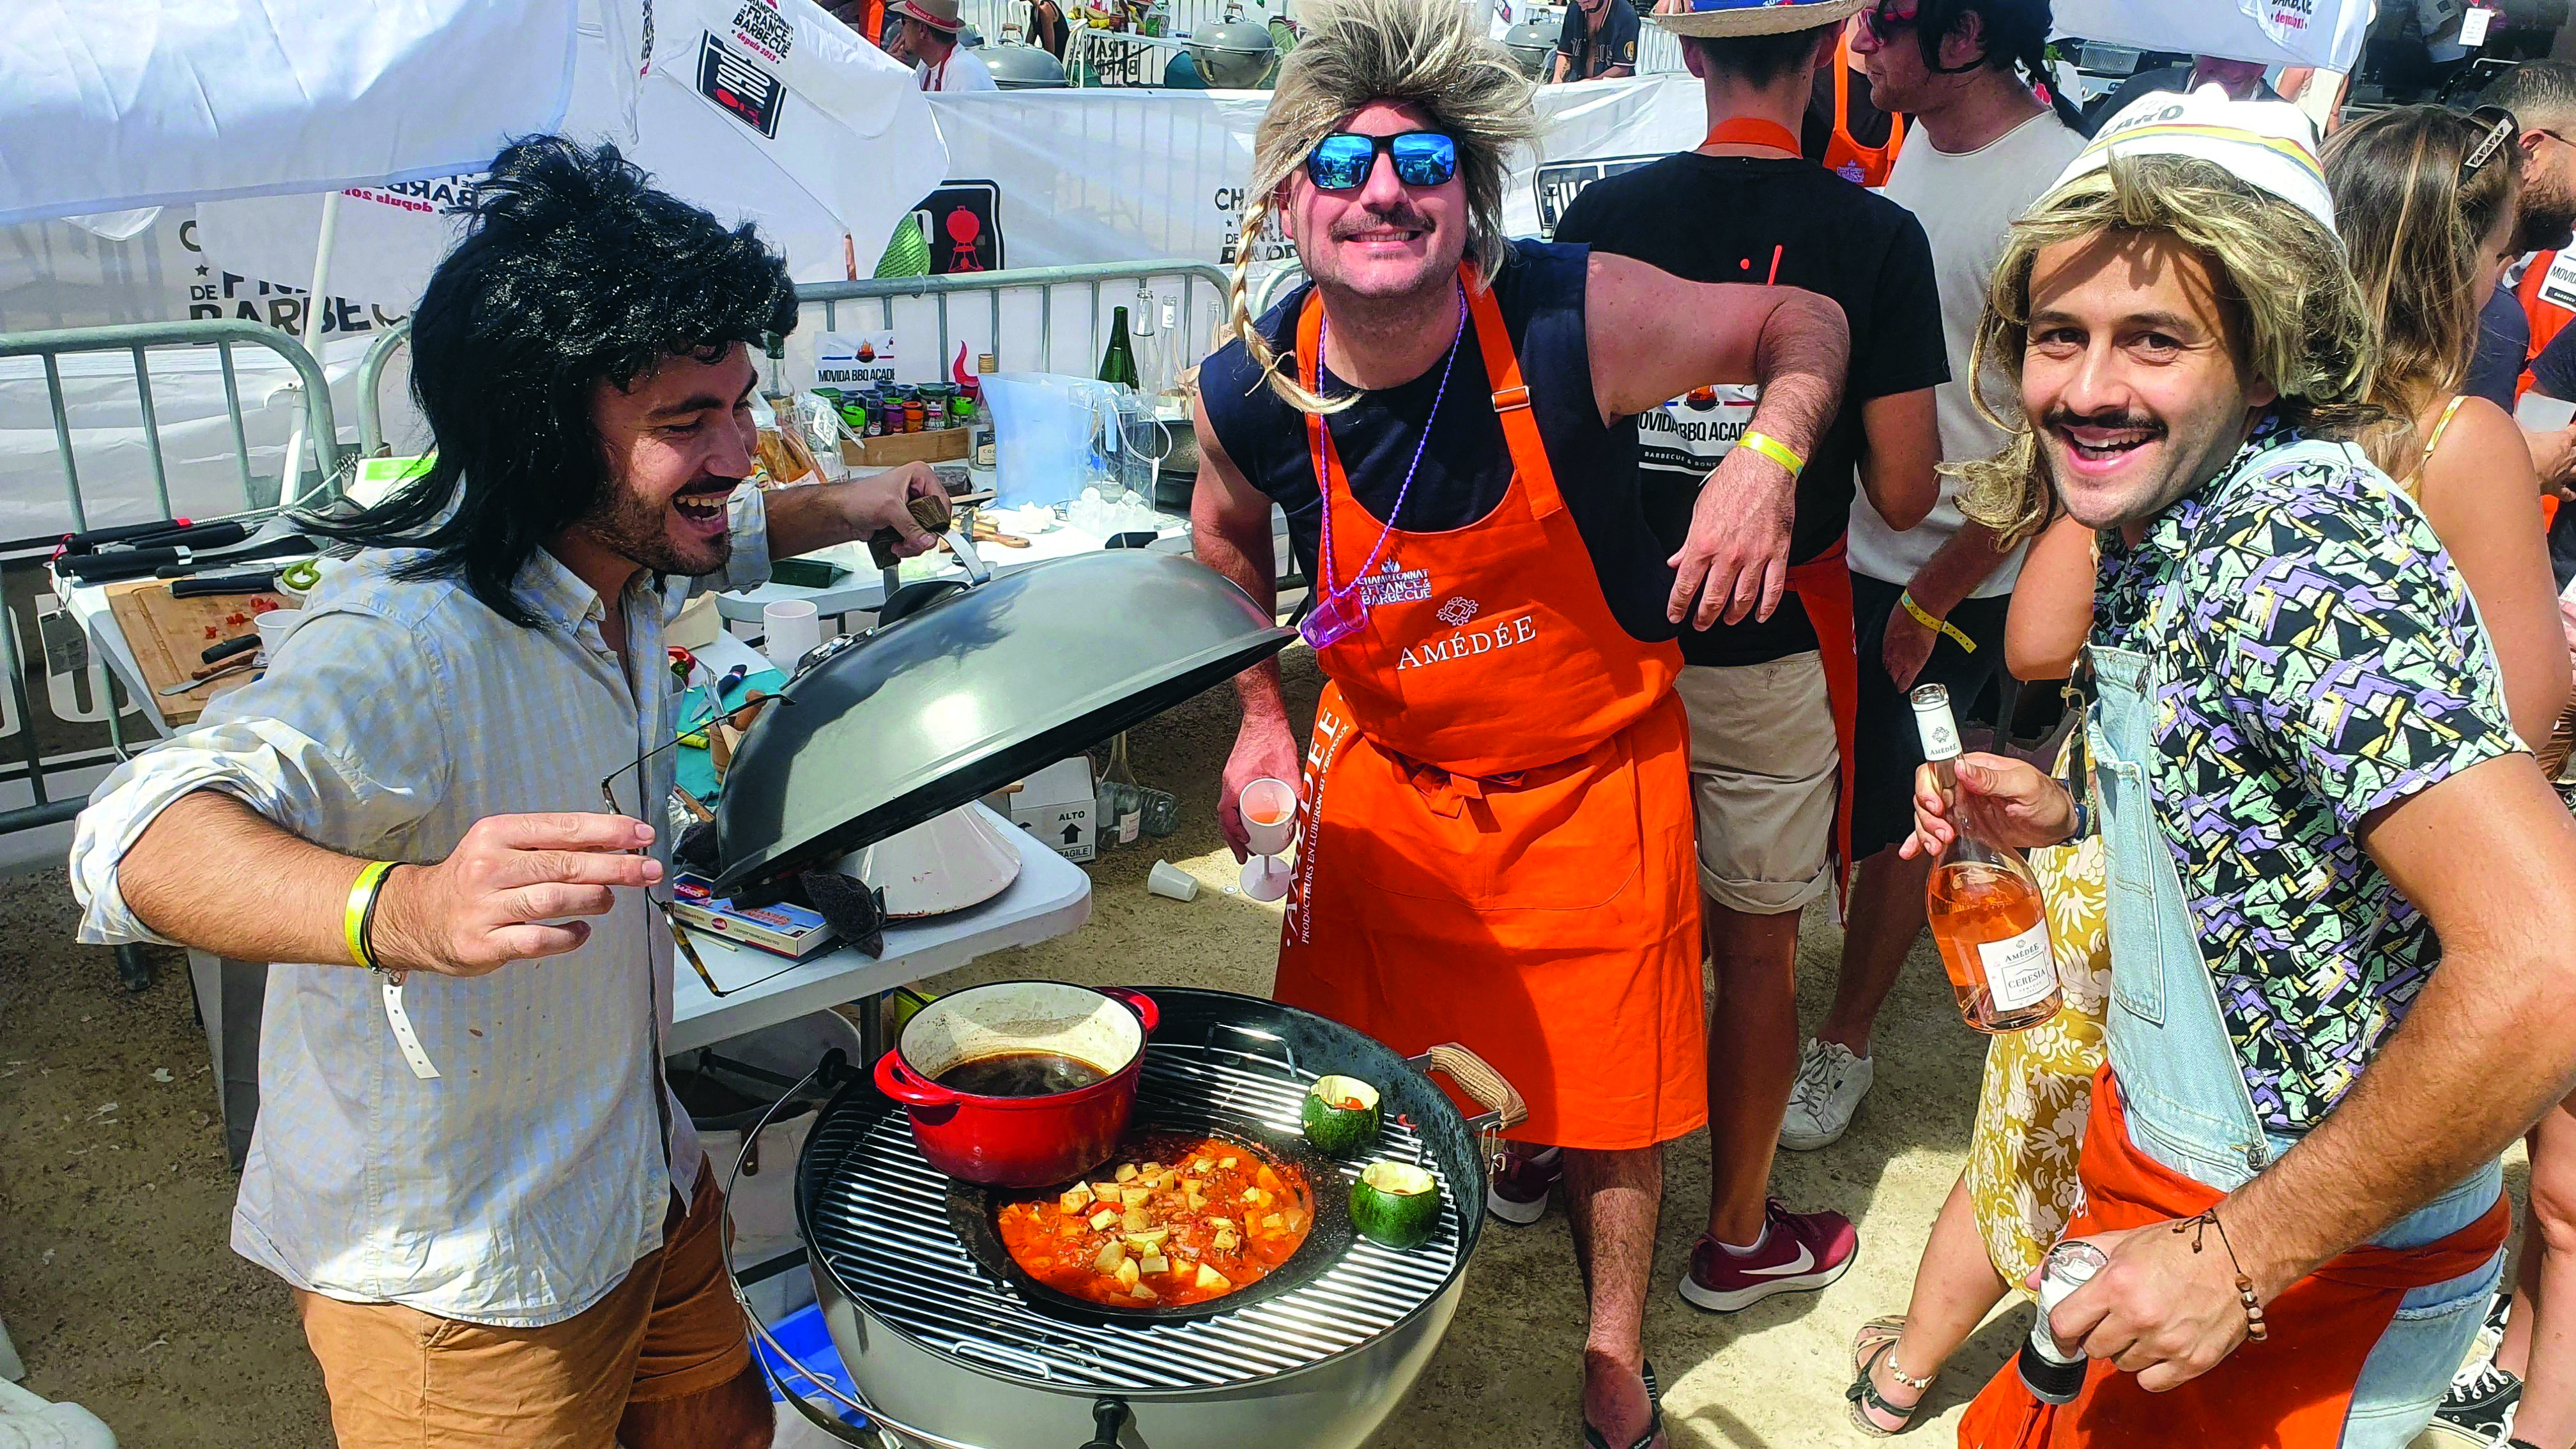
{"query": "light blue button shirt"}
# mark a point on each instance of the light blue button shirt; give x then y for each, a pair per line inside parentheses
(520, 1185)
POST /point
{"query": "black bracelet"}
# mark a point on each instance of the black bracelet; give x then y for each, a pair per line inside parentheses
(367, 922)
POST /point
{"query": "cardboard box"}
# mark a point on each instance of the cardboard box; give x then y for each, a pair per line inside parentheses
(889, 450)
(1055, 805)
(784, 929)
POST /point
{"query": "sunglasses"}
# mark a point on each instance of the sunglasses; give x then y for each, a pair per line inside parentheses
(2499, 130)
(1890, 18)
(1343, 160)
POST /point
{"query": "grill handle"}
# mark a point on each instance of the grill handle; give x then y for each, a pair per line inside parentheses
(1108, 1417)
(1504, 1109)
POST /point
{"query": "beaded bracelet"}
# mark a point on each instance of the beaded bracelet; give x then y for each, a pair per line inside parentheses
(2200, 1226)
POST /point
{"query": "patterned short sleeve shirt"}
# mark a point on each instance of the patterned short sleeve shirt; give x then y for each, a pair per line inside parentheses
(2315, 658)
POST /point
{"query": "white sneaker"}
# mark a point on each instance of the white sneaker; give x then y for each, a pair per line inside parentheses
(1831, 1082)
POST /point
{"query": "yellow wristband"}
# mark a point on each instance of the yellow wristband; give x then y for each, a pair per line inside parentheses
(1775, 450)
(362, 899)
(1937, 626)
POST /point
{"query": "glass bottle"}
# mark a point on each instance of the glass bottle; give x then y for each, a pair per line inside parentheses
(1148, 345)
(1122, 800)
(1118, 363)
(1984, 903)
(981, 453)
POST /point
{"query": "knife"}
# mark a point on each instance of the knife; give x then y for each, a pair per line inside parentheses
(223, 584)
(217, 653)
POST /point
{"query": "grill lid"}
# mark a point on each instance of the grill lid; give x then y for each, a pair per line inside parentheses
(878, 1218)
(969, 693)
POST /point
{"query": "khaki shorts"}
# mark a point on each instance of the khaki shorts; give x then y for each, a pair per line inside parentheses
(401, 1377)
(1763, 780)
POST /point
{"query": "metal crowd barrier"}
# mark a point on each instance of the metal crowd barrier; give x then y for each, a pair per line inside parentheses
(831, 297)
(943, 290)
(138, 341)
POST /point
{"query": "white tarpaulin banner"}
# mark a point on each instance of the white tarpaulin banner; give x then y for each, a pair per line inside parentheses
(110, 104)
(766, 111)
(2322, 33)
(1052, 178)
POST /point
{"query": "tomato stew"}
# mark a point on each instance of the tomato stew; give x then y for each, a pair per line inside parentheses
(1174, 1219)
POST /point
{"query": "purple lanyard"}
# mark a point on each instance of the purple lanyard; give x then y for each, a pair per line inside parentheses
(1338, 613)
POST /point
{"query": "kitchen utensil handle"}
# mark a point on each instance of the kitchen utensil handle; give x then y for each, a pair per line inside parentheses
(933, 514)
(223, 584)
(900, 1082)
(217, 653)
(1482, 1082)
(1108, 1419)
(1137, 1002)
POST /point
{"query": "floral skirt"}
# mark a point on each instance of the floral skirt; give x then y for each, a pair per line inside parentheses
(2038, 1086)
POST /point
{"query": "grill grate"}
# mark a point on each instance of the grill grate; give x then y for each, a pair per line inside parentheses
(880, 1223)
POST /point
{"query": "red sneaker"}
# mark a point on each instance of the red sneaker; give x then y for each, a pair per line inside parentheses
(1801, 1253)
(1518, 1193)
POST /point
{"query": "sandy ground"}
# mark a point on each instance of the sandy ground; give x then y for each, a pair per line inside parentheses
(118, 1288)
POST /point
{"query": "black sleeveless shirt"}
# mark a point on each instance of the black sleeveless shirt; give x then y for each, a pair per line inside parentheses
(1466, 466)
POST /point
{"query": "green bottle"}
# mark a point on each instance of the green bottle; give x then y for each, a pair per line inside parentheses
(1118, 364)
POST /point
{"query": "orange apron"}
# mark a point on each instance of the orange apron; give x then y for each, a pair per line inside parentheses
(1868, 165)
(1497, 809)
(2291, 1391)
(1824, 589)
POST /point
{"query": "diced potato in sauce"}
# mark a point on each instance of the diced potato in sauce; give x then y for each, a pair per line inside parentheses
(1163, 1240)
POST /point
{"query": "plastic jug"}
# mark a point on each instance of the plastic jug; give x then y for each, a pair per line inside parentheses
(1054, 435)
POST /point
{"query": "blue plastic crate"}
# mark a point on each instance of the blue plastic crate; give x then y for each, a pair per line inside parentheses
(804, 1335)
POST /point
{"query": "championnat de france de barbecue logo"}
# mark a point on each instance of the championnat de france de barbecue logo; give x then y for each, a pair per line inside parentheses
(1395, 584)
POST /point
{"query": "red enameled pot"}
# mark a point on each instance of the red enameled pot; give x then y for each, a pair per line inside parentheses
(1020, 1142)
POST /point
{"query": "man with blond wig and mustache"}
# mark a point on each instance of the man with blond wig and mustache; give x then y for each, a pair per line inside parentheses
(1497, 809)
(2338, 938)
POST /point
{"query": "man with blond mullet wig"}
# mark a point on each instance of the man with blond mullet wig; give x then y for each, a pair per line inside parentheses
(1497, 811)
(2338, 929)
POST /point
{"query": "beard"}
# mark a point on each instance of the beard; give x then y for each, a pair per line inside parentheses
(2548, 216)
(639, 530)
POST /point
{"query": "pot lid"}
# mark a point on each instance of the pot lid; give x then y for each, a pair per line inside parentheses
(970, 693)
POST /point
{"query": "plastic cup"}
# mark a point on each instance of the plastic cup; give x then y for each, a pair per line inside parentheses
(273, 628)
(1169, 880)
(794, 630)
(1269, 810)
(1265, 878)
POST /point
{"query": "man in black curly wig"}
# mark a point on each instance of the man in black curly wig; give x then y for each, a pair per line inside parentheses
(497, 1224)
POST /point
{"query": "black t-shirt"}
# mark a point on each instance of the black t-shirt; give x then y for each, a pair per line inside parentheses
(1594, 51)
(1720, 219)
(1466, 467)
(2504, 344)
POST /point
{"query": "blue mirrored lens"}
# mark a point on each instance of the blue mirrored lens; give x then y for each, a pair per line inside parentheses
(1341, 163)
(1425, 159)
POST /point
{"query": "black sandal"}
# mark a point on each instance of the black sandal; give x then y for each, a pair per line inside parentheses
(1876, 1341)
(1654, 1426)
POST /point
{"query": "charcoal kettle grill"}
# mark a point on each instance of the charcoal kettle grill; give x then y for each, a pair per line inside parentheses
(948, 1353)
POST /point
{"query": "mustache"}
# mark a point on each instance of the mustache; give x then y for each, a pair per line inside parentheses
(1401, 215)
(707, 484)
(2060, 418)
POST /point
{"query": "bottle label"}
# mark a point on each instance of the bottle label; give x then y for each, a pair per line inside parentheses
(1127, 826)
(2020, 970)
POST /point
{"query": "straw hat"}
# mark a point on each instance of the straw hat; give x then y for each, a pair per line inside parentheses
(940, 15)
(1723, 18)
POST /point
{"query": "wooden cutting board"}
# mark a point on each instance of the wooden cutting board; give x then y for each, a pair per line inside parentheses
(169, 635)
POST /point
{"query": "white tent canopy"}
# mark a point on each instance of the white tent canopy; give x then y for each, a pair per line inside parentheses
(114, 104)
(2326, 34)
(766, 111)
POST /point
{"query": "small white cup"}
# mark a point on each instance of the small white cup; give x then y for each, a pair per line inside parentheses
(1264, 878)
(1167, 879)
(1269, 809)
(794, 630)
(273, 628)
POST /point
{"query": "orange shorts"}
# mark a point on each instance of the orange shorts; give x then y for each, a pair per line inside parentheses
(401, 1377)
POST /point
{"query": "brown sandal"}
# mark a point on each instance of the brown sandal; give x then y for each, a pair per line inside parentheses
(1875, 1342)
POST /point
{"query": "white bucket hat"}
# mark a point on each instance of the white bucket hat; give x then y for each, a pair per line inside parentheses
(2269, 145)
